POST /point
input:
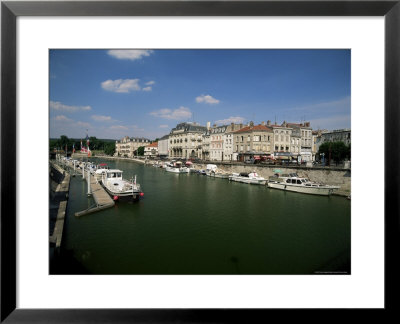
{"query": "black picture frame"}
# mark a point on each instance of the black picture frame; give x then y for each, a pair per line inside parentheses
(10, 10)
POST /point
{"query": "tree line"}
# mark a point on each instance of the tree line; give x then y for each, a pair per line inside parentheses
(337, 151)
(95, 144)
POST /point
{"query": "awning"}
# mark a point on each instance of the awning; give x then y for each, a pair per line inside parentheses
(188, 163)
(256, 157)
(283, 157)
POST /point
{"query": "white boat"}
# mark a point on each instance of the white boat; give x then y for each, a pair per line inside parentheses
(177, 167)
(100, 170)
(292, 182)
(251, 178)
(212, 171)
(118, 188)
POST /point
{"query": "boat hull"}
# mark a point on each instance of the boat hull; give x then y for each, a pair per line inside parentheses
(123, 196)
(248, 180)
(177, 170)
(322, 191)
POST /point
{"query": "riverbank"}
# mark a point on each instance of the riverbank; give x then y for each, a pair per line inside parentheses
(336, 177)
(331, 176)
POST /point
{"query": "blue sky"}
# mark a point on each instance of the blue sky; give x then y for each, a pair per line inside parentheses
(145, 93)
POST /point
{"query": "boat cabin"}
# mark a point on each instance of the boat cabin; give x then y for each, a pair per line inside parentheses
(113, 174)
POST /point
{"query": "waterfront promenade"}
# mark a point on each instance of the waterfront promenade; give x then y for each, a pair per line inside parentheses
(328, 175)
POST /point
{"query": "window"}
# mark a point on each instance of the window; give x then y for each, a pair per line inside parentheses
(288, 181)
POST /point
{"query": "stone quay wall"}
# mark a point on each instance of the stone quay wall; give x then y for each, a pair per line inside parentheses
(331, 176)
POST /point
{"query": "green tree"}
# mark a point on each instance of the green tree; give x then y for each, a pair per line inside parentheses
(140, 151)
(109, 148)
(337, 151)
(64, 140)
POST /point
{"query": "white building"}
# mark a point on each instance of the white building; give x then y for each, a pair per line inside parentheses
(217, 142)
(163, 145)
(127, 146)
(151, 150)
(228, 139)
(305, 132)
(185, 141)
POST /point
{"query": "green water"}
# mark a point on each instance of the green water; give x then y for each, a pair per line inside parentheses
(193, 224)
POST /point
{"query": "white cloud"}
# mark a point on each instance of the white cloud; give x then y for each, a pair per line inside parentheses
(121, 86)
(236, 120)
(150, 83)
(101, 118)
(118, 127)
(163, 126)
(62, 118)
(83, 124)
(129, 54)
(180, 113)
(56, 105)
(147, 89)
(207, 99)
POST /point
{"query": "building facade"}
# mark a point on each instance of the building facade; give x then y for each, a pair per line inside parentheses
(127, 146)
(185, 141)
(163, 144)
(338, 135)
(228, 138)
(151, 150)
(217, 143)
(253, 141)
(303, 133)
(282, 141)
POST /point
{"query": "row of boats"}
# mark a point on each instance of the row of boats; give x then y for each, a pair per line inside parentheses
(287, 182)
(119, 188)
(111, 179)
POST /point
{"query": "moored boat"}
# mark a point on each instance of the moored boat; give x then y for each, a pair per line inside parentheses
(118, 188)
(176, 167)
(100, 170)
(251, 178)
(292, 182)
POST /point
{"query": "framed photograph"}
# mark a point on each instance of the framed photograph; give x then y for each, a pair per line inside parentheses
(197, 160)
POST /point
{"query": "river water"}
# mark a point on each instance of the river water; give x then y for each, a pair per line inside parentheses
(194, 224)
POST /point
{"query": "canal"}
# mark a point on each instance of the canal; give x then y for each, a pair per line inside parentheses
(193, 224)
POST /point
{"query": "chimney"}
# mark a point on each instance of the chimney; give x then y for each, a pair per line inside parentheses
(251, 124)
(268, 123)
(208, 125)
(232, 126)
(215, 125)
(241, 126)
(263, 123)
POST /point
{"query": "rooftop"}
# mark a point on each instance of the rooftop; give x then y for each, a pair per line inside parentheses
(254, 128)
